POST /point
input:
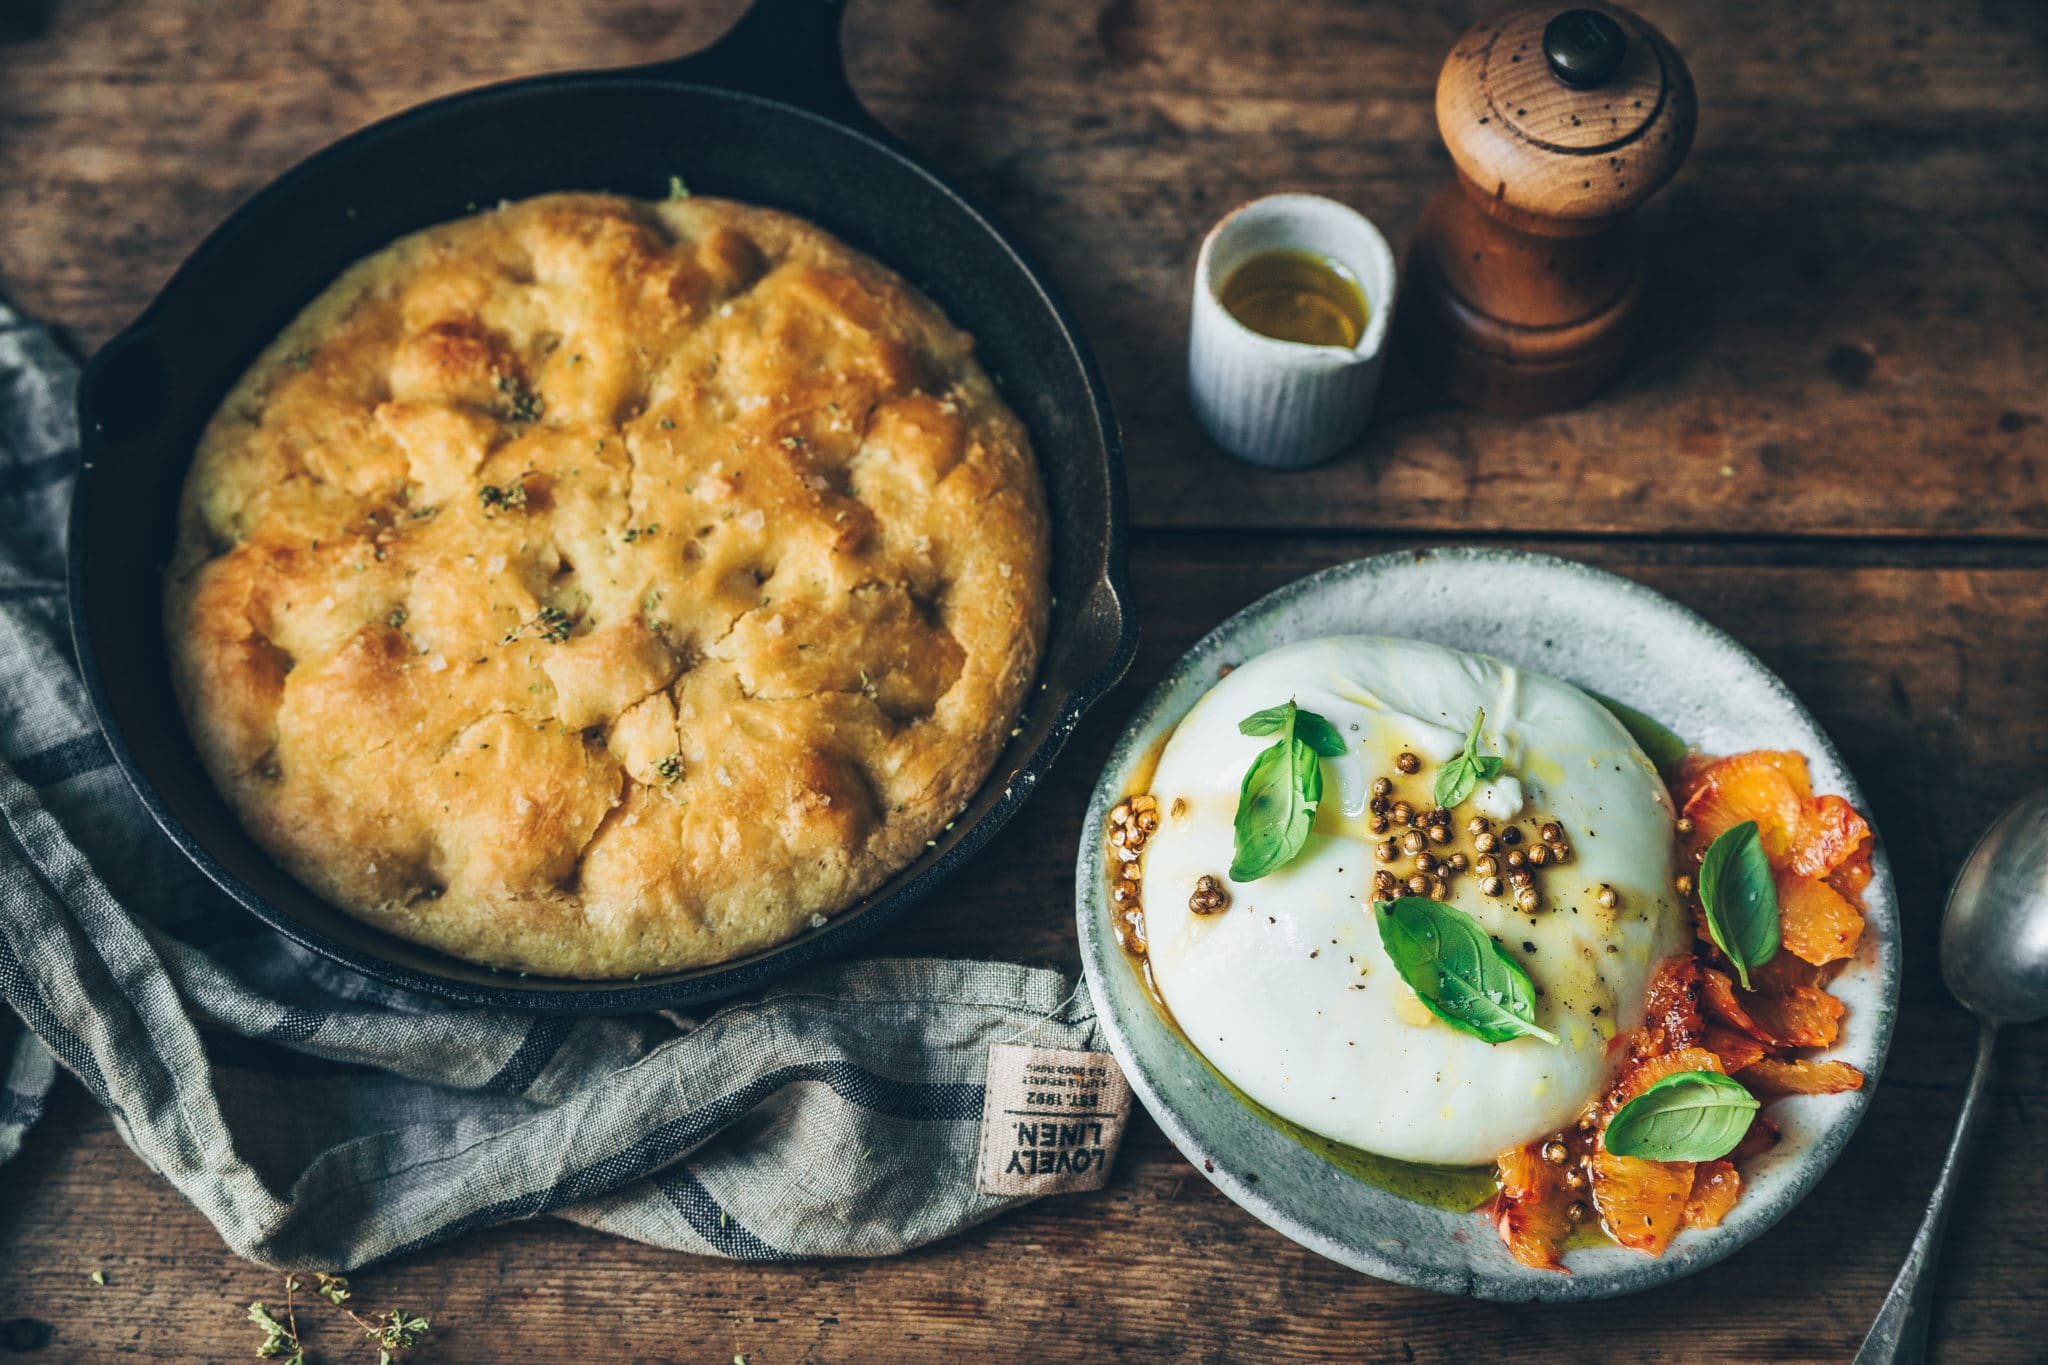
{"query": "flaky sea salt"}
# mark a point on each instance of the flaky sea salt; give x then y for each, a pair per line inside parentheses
(437, 664)
(754, 520)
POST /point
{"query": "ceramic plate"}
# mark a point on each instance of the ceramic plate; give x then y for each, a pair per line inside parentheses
(1576, 623)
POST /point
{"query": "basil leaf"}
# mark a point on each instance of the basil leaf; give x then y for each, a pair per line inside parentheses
(1463, 976)
(1276, 804)
(1664, 749)
(1456, 779)
(1319, 734)
(1687, 1116)
(1740, 899)
(1273, 720)
(1317, 731)
(1276, 807)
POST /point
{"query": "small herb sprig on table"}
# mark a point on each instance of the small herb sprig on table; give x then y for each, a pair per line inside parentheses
(393, 1334)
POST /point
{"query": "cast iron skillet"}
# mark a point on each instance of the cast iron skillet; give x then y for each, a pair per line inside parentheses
(764, 115)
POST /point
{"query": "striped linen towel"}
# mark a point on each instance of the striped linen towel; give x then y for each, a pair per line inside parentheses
(321, 1120)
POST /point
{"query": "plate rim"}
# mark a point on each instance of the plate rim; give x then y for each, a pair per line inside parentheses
(1099, 951)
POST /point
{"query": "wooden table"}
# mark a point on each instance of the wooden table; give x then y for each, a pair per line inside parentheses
(1831, 443)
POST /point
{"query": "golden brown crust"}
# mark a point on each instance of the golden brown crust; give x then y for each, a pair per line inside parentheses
(596, 588)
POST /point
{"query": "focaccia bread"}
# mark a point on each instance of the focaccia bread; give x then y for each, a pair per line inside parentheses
(595, 587)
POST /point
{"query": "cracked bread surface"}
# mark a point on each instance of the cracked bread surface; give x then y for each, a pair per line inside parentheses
(595, 587)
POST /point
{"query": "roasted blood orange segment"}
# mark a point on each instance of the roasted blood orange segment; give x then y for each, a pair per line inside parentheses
(1718, 994)
(1815, 922)
(1672, 1016)
(1765, 786)
(1530, 1212)
(1763, 1135)
(1830, 832)
(1715, 1187)
(1641, 1203)
(1852, 876)
(1802, 1017)
(1736, 1050)
(1787, 972)
(1800, 1076)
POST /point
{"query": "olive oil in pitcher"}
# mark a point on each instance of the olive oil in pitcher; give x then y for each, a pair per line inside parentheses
(1300, 296)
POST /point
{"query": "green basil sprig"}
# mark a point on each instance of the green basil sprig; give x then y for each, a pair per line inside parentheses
(1456, 779)
(1458, 971)
(1740, 899)
(1664, 749)
(1317, 732)
(1276, 805)
(1687, 1116)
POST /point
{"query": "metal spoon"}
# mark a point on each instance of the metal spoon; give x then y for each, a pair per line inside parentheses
(1994, 958)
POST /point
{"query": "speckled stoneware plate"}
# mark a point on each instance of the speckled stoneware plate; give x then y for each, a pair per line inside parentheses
(1579, 624)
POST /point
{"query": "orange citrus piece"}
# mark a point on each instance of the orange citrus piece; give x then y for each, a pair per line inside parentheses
(1815, 922)
(1800, 1076)
(1641, 1203)
(1736, 1050)
(1803, 1017)
(1828, 834)
(1530, 1213)
(1715, 1187)
(1765, 786)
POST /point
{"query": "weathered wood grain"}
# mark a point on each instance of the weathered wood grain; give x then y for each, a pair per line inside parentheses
(1848, 269)
(1831, 444)
(1927, 675)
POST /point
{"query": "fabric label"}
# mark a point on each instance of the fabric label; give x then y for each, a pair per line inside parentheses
(1051, 1121)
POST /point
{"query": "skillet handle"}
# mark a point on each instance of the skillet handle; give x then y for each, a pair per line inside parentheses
(784, 50)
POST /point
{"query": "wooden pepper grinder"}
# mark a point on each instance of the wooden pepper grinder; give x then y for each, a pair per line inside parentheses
(1524, 276)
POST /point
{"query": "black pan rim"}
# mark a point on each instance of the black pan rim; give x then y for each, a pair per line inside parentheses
(604, 996)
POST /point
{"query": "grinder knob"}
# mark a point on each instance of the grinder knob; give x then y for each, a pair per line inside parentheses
(1524, 281)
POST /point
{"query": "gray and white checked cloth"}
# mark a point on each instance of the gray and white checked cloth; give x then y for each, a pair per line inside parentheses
(322, 1121)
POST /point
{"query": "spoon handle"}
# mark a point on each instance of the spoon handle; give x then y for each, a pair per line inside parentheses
(1899, 1336)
